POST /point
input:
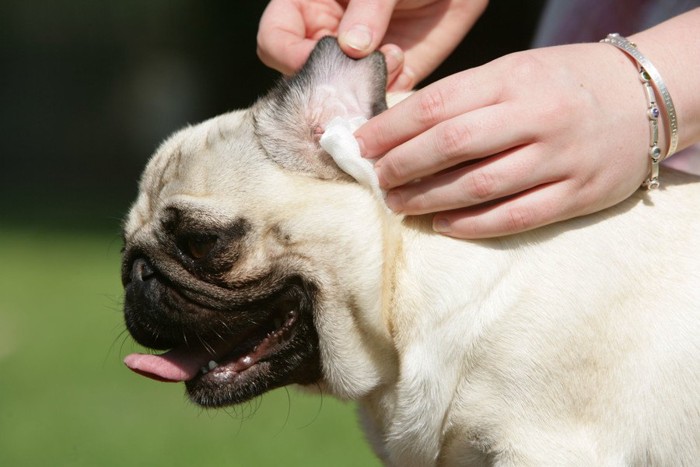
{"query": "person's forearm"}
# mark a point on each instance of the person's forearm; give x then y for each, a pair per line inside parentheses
(674, 48)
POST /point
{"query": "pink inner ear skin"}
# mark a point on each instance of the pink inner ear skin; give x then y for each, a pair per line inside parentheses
(291, 118)
(331, 100)
(318, 131)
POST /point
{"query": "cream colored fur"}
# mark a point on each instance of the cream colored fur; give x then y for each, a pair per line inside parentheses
(577, 344)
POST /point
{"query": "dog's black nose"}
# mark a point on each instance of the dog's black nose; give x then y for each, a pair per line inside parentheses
(141, 270)
(136, 268)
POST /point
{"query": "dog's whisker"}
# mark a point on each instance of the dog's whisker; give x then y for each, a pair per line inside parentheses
(184, 338)
(226, 326)
(206, 345)
(217, 333)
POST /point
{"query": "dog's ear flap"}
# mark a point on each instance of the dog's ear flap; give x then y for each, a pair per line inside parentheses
(291, 118)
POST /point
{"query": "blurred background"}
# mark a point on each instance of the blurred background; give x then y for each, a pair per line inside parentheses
(88, 89)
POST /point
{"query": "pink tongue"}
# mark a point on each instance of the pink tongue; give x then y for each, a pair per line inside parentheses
(177, 365)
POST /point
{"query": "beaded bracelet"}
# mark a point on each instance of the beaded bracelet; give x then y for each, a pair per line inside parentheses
(649, 75)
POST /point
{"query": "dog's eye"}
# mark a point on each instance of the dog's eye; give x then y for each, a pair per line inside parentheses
(199, 246)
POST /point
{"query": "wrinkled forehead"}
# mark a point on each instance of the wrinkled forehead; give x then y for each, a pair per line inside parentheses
(199, 164)
(196, 160)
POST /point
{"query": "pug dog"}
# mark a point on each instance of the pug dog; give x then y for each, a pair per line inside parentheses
(254, 262)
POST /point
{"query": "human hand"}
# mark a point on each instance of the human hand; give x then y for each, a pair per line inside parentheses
(414, 35)
(526, 140)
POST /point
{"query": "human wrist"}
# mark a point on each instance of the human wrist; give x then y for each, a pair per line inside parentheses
(660, 112)
(674, 46)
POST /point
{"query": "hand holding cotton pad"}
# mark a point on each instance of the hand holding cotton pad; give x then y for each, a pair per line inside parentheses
(338, 141)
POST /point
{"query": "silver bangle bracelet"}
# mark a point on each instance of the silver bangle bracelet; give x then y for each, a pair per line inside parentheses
(653, 116)
(650, 75)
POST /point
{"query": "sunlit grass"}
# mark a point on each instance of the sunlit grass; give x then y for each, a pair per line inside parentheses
(66, 398)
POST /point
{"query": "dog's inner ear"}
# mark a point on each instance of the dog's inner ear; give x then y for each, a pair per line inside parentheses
(290, 120)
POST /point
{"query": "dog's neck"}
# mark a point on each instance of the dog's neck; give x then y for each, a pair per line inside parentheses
(427, 271)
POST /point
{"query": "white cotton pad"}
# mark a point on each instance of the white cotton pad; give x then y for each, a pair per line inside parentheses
(338, 141)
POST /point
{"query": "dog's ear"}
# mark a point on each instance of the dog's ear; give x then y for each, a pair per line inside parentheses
(291, 118)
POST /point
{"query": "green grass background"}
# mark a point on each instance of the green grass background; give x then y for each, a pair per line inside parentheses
(67, 400)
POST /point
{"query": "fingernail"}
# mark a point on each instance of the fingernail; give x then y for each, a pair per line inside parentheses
(363, 150)
(380, 177)
(359, 37)
(406, 80)
(361, 145)
(393, 200)
(441, 225)
(394, 58)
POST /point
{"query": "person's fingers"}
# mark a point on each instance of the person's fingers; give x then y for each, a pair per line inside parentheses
(428, 34)
(288, 32)
(394, 58)
(466, 137)
(296, 51)
(282, 42)
(497, 177)
(404, 81)
(440, 101)
(364, 25)
(539, 206)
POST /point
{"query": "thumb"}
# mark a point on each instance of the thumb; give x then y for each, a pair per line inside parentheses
(363, 26)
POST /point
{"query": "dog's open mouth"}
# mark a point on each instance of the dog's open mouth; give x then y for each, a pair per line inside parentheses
(219, 360)
(232, 367)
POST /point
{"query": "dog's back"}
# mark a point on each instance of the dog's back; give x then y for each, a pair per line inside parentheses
(576, 344)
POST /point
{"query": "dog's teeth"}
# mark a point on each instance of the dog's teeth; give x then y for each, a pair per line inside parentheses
(247, 360)
(212, 364)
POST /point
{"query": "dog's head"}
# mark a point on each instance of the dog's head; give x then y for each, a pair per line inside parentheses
(251, 257)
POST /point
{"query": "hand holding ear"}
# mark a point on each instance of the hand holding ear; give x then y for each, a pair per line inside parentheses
(414, 35)
(534, 137)
(526, 140)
